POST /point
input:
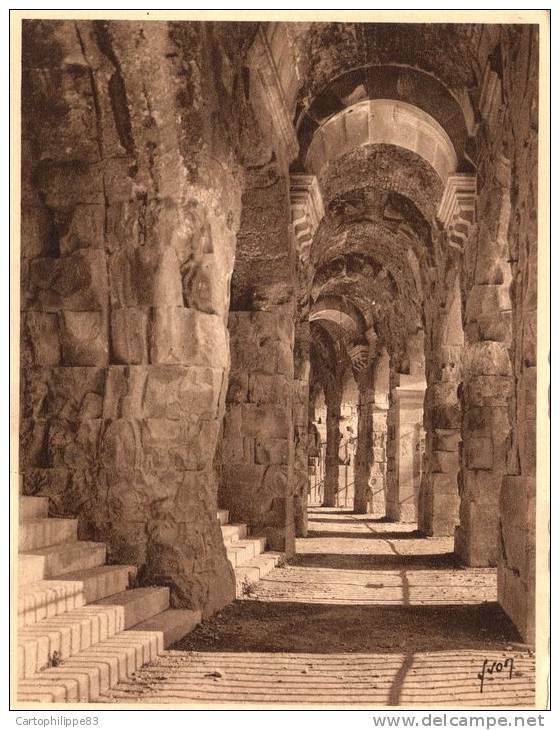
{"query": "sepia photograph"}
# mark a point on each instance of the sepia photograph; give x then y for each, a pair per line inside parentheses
(280, 344)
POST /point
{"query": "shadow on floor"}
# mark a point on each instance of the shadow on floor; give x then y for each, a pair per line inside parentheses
(260, 626)
(357, 561)
(349, 519)
(414, 535)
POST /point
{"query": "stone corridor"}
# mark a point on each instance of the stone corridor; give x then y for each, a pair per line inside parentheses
(367, 612)
(270, 271)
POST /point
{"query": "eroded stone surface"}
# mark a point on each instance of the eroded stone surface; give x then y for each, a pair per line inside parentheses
(189, 286)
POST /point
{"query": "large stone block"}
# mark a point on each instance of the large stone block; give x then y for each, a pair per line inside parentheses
(74, 444)
(179, 445)
(481, 489)
(37, 232)
(123, 223)
(477, 535)
(186, 336)
(445, 461)
(84, 338)
(241, 492)
(262, 342)
(268, 389)
(271, 451)
(81, 227)
(515, 501)
(145, 276)
(482, 300)
(32, 443)
(178, 392)
(238, 387)
(264, 421)
(479, 453)
(56, 484)
(69, 131)
(488, 390)
(446, 417)
(77, 282)
(488, 421)
(205, 285)
(40, 340)
(486, 358)
(129, 335)
(447, 439)
(238, 451)
(71, 393)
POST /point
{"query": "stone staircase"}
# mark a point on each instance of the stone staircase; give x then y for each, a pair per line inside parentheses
(248, 555)
(81, 626)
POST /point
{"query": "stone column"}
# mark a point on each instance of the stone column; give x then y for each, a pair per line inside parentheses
(257, 469)
(333, 396)
(405, 419)
(301, 418)
(487, 383)
(257, 473)
(364, 449)
(378, 477)
(306, 212)
(439, 493)
(128, 238)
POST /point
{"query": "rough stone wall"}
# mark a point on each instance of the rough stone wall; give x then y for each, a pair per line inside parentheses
(130, 205)
(378, 475)
(300, 411)
(365, 449)
(499, 294)
(257, 448)
(333, 397)
(392, 444)
(257, 453)
(439, 493)
(517, 528)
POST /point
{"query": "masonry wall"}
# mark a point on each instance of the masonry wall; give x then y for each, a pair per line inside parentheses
(130, 205)
(497, 480)
(257, 449)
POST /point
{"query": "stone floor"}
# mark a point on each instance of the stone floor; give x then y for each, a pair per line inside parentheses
(368, 613)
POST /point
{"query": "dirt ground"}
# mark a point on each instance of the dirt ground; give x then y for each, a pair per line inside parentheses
(366, 612)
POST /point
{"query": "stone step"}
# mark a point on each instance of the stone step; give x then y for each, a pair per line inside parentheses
(171, 625)
(223, 516)
(103, 580)
(54, 639)
(84, 677)
(31, 508)
(30, 569)
(47, 598)
(45, 531)
(234, 532)
(254, 570)
(139, 604)
(240, 551)
(57, 560)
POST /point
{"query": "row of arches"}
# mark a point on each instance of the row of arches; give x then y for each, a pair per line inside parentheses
(314, 199)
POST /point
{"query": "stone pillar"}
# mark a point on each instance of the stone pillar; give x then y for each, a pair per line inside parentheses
(364, 449)
(378, 477)
(439, 492)
(301, 418)
(333, 396)
(513, 245)
(405, 420)
(257, 447)
(306, 212)
(487, 384)
(128, 238)
(257, 473)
